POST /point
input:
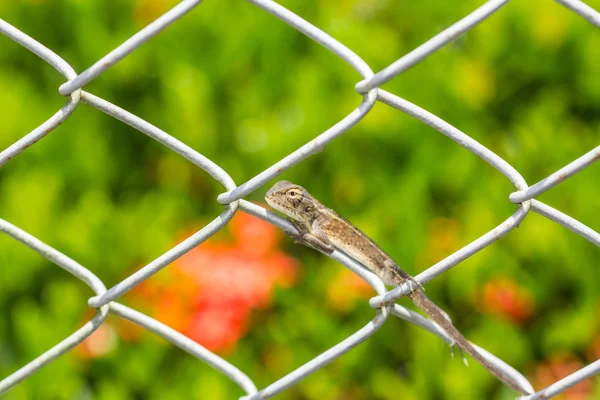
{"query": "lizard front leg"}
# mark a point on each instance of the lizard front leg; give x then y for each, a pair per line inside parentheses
(314, 238)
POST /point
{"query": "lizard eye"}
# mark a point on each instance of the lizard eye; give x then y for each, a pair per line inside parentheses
(292, 193)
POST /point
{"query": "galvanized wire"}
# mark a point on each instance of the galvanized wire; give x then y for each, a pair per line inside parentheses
(368, 87)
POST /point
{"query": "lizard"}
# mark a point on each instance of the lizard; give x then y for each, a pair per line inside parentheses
(325, 230)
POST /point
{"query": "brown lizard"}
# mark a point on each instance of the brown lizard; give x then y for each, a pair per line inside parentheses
(325, 230)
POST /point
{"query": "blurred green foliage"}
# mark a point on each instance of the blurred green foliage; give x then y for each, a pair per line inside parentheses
(245, 89)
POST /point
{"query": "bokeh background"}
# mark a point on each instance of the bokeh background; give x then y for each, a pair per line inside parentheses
(245, 89)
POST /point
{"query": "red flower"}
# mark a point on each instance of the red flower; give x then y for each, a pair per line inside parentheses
(210, 291)
(253, 235)
(218, 326)
(504, 297)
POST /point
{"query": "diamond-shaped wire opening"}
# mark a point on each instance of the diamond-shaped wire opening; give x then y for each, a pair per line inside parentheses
(187, 152)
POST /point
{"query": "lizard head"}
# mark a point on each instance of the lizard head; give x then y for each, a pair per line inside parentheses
(292, 200)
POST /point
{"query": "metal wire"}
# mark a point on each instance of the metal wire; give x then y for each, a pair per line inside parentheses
(383, 303)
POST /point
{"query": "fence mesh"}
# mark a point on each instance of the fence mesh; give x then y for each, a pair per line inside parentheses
(383, 304)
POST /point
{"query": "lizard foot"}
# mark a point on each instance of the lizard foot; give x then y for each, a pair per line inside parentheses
(412, 282)
(462, 355)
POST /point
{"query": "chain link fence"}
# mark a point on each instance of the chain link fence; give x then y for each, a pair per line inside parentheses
(383, 304)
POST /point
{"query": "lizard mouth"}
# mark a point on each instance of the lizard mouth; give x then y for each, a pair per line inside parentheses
(272, 202)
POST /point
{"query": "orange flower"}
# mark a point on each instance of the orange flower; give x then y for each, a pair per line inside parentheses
(504, 297)
(99, 343)
(594, 350)
(173, 309)
(558, 367)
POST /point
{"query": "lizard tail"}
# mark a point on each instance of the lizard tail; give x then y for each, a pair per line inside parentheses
(440, 317)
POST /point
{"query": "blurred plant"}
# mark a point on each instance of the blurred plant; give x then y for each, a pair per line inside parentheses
(442, 239)
(345, 289)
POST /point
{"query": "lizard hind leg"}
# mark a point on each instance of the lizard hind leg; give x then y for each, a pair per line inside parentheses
(462, 354)
(414, 281)
(464, 358)
(393, 269)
